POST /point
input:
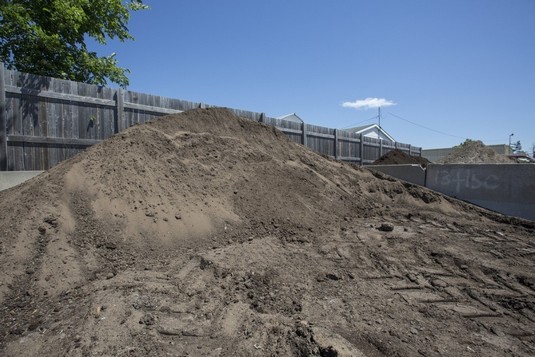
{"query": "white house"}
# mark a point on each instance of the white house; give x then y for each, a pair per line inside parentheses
(292, 117)
(372, 131)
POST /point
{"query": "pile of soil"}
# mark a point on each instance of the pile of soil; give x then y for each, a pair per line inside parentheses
(398, 157)
(204, 234)
(475, 152)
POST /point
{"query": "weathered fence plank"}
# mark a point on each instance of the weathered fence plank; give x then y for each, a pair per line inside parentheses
(119, 111)
(3, 121)
(151, 109)
(46, 120)
(336, 148)
(51, 140)
(286, 130)
(60, 96)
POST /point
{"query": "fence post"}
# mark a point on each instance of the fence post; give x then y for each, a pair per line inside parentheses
(119, 101)
(420, 152)
(410, 150)
(4, 165)
(380, 147)
(261, 120)
(336, 155)
(304, 134)
(361, 149)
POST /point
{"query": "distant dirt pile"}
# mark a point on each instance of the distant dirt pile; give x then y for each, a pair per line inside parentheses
(475, 152)
(399, 157)
(204, 234)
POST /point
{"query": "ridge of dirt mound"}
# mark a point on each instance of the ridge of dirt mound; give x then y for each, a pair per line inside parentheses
(475, 152)
(205, 234)
(399, 157)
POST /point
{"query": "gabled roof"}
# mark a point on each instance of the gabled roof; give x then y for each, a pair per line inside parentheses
(360, 129)
(292, 117)
(357, 129)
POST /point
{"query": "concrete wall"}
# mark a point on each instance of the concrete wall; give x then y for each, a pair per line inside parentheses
(504, 188)
(434, 155)
(409, 173)
(12, 178)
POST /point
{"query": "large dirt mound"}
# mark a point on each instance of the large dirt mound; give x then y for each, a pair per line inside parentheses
(399, 157)
(204, 234)
(475, 152)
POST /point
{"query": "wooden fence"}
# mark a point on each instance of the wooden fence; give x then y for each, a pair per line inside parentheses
(46, 120)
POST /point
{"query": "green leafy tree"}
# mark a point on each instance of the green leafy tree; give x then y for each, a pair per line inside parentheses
(48, 37)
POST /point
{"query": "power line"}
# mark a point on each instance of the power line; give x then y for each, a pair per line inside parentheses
(360, 122)
(425, 127)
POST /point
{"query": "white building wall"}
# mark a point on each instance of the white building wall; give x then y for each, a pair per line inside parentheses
(375, 133)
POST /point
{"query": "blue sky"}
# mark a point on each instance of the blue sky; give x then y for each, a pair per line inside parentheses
(463, 68)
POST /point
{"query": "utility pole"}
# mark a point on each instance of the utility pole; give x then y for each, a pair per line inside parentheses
(379, 116)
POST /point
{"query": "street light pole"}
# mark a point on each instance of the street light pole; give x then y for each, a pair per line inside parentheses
(510, 139)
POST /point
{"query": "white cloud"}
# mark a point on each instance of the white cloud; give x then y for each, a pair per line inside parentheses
(368, 103)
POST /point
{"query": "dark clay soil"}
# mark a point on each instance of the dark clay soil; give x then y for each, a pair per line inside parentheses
(204, 234)
(398, 157)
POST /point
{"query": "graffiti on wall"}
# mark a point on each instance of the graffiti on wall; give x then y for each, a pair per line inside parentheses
(466, 179)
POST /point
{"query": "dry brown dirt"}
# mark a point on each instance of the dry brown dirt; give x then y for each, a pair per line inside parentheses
(203, 234)
(475, 152)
